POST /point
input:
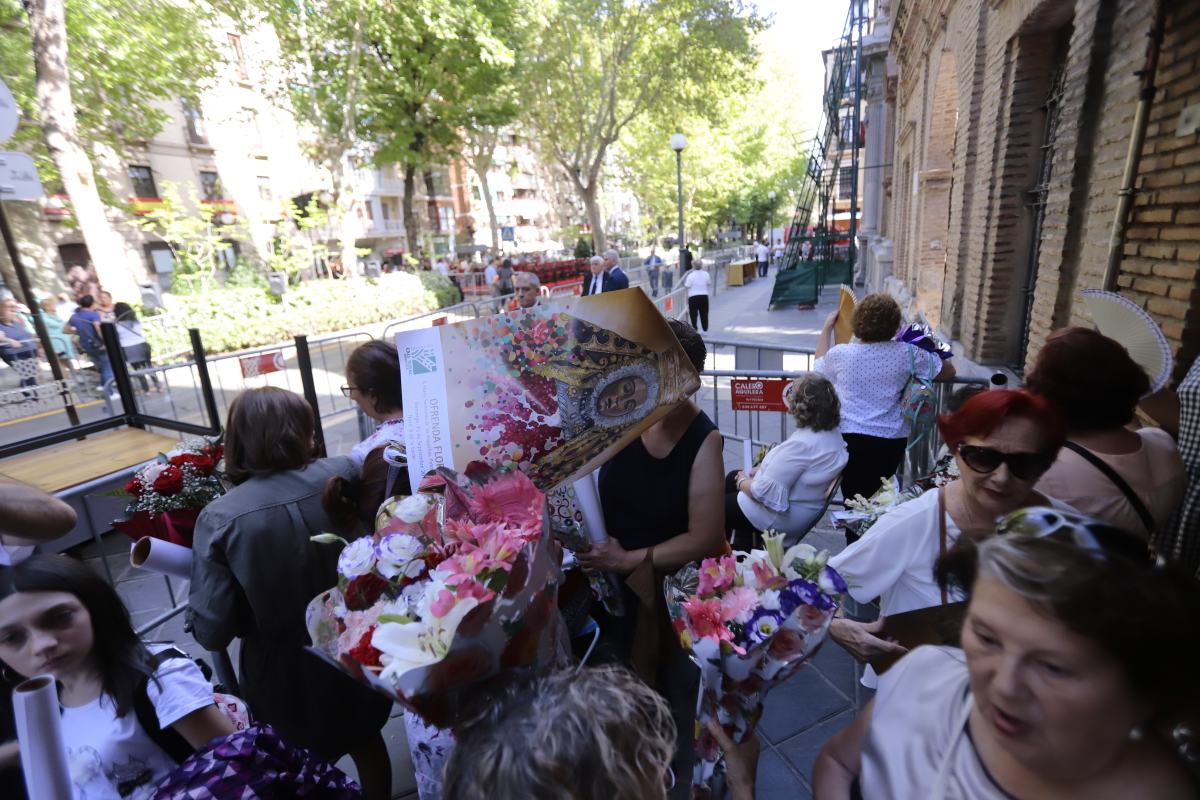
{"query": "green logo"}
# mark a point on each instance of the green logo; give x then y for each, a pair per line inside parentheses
(421, 360)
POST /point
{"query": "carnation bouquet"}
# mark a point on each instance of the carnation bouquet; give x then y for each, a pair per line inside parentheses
(167, 495)
(457, 586)
(750, 620)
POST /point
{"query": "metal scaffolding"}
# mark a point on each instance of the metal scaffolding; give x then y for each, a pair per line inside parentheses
(821, 243)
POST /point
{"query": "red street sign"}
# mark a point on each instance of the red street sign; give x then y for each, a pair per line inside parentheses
(261, 364)
(439, 320)
(758, 394)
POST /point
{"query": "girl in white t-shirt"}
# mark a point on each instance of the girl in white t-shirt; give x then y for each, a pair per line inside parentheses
(58, 617)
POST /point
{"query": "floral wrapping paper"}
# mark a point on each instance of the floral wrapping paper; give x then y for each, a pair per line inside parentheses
(515, 630)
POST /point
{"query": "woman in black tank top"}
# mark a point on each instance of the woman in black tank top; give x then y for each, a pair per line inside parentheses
(663, 502)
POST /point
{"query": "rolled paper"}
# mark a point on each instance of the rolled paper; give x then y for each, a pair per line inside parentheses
(159, 555)
(39, 732)
(747, 455)
(587, 496)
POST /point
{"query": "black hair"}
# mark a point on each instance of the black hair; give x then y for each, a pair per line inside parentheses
(374, 366)
(693, 345)
(124, 312)
(87, 301)
(121, 658)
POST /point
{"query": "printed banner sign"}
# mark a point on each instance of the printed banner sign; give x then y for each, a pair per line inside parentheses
(261, 364)
(554, 390)
(758, 394)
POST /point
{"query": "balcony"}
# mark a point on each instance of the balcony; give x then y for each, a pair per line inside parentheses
(219, 206)
(383, 227)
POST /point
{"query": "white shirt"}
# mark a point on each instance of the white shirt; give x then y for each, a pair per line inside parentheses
(790, 483)
(489, 274)
(105, 752)
(596, 284)
(870, 381)
(697, 282)
(916, 725)
(762, 252)
(442, 268)
(390, 431)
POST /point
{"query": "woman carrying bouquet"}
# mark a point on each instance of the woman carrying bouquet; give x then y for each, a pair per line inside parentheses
(57, 616)
(870, 375)
(663, 507)
(1077, 662)
(254, 571)
(786, 492)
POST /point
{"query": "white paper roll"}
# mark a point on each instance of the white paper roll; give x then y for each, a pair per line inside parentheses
(747, 455)
(39, 731)
(159, 555)
(587, 496)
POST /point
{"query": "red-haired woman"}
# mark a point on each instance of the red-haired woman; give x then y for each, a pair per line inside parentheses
(1003, 442)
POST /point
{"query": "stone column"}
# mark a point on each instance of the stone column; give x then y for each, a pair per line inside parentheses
(875, 155)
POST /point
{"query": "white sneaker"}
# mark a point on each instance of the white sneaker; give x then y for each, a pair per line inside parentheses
(115, 397)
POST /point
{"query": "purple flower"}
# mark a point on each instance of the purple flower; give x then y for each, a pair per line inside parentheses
(831, 582)
(806, 593)
(763, 624)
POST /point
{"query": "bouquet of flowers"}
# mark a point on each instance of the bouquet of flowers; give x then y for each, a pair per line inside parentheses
(167, 495)
(457, 586)
(750, 620)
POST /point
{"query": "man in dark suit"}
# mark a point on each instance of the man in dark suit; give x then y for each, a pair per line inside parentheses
(612, 270)
(594, 282)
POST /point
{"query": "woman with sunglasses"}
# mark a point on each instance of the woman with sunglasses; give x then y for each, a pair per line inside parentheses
(1077, 662)
(1003, 441)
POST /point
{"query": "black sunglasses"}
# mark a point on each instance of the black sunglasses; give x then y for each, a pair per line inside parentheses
(1026, 466)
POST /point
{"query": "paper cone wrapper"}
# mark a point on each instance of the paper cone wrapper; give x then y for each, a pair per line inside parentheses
(554, 390)
(747, 455)
(39, 731)
(587, 495)
(158, 555)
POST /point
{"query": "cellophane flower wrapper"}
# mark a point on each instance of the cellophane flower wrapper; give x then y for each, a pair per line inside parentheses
(431, 618)
(921, 334)
(168, 494)
(750, 621)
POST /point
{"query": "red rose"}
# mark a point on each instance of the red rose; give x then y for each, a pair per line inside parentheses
(169, 481)
(201, 463)
(134, 487)
(362, 592)
(364, 652)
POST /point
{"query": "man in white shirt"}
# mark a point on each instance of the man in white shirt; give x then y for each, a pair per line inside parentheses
(442, 267)
(763, 254)
(490, 276)
(697, 281)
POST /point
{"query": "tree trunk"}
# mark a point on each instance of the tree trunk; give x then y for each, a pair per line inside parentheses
(412, 229)
(588, 193)
(486, 189)
(348, 241)
(57, 111)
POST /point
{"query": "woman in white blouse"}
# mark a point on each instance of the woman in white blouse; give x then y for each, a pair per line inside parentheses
(871, 374)
(786, 492)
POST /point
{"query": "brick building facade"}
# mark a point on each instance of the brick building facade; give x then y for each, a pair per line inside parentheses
(1009, 124)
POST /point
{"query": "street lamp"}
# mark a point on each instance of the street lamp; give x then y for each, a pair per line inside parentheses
(678, 142)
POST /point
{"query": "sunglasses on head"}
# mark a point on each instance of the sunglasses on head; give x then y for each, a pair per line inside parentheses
(1026, 466)
(1096, 538)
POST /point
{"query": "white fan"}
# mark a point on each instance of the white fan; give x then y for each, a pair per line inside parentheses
(1122, 320)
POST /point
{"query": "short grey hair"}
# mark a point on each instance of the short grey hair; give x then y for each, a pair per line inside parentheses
(814, 403)
(526, 279)
(595, 260)
(613, 254)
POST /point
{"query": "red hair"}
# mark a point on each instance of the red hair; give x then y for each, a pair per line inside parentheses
(984, 412)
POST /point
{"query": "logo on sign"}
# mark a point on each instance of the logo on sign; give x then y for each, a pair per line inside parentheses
(261, 364)
(758, 394)
(420, 360)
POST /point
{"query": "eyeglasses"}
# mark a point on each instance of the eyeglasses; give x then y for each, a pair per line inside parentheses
(349, 390)
(1026, 466)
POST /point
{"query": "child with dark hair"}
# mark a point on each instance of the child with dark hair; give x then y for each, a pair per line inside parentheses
(57, 616)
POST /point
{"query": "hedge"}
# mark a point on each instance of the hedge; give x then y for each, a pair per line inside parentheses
(234, 318)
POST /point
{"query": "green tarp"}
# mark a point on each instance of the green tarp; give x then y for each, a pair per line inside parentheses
(802, 284)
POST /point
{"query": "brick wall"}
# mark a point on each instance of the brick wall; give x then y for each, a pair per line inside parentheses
(1006, 54)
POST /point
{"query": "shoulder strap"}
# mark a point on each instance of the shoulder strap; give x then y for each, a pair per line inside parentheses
(942, 533)
(173, 744)
(1136, 502)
